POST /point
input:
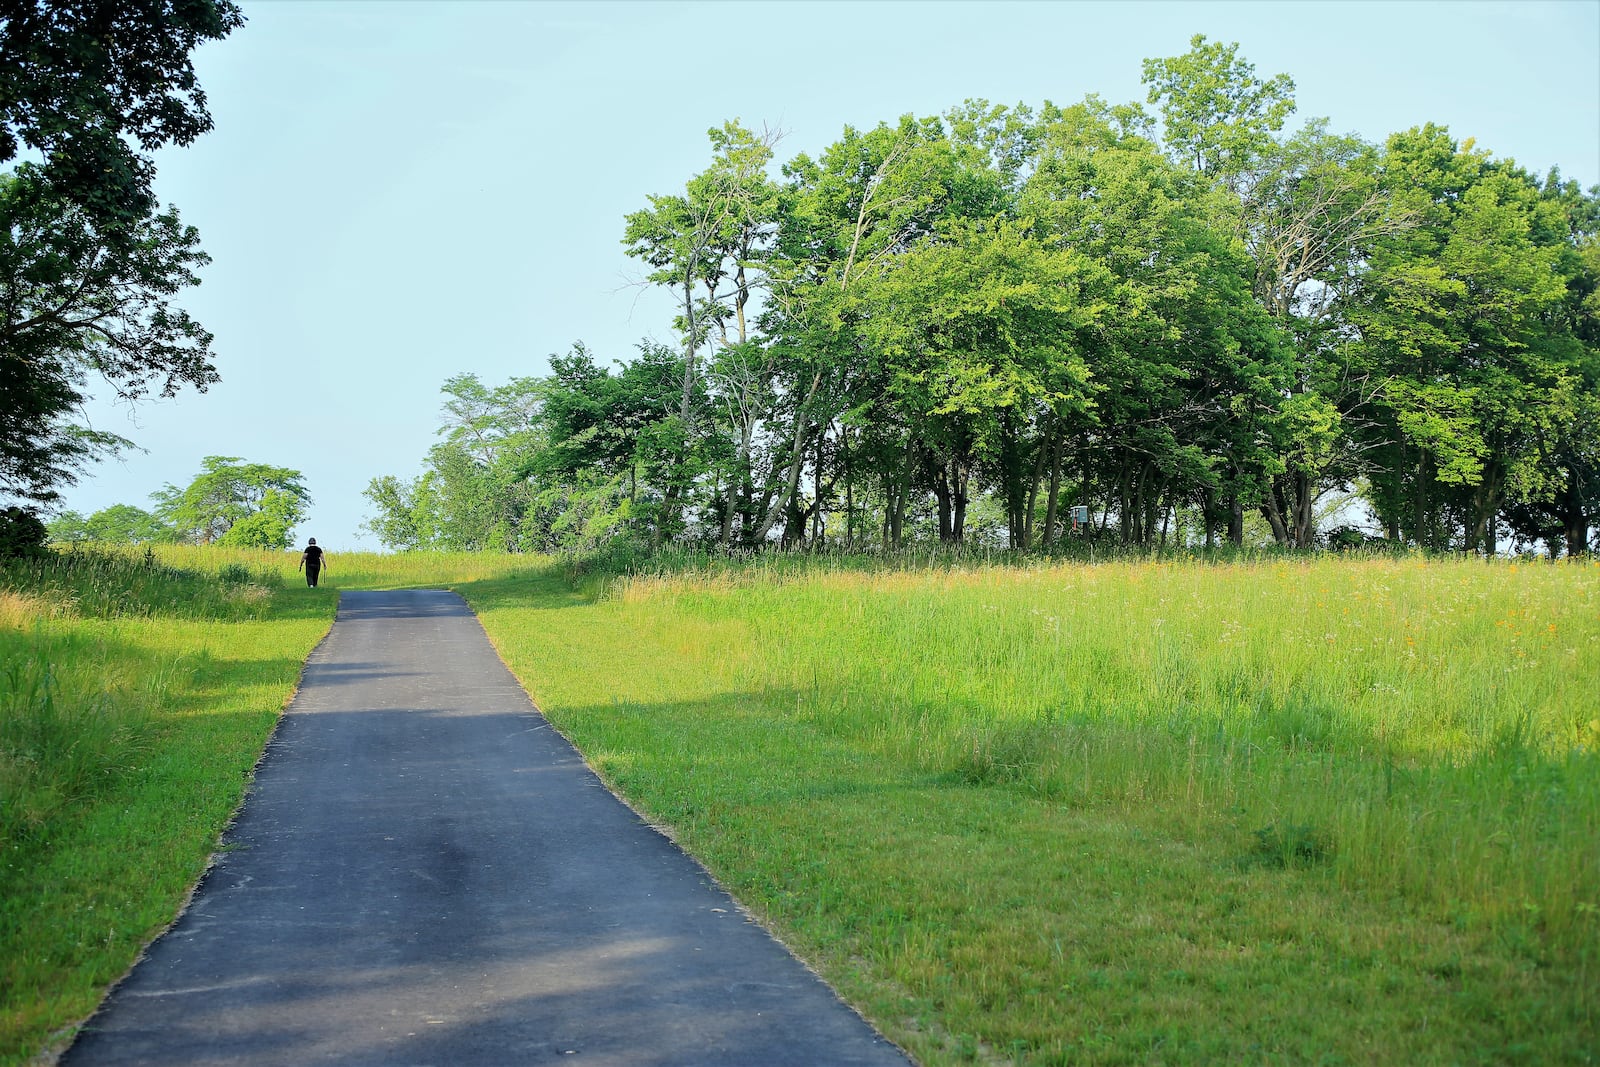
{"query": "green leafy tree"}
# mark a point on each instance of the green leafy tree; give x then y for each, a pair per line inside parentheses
(476, 489)
(88, 266)
(399, 522)
(119, 524)
(1188, 369)
(67, 527)
(1217, 116)
(93, 86)
(1307, 209)
(127, 525)
(977, 331)
(1456, 310)
(22, 534)
(709, 245)
(75, 304)
(960, 326)
(870, 197)
(237, 503)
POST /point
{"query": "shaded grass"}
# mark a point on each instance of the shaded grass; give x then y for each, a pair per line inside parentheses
(136, 698)
(1299, 811)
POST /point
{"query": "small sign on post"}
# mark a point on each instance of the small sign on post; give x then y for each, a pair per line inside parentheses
(1080, 517)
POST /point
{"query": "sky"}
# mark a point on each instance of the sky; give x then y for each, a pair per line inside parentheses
(396, 193)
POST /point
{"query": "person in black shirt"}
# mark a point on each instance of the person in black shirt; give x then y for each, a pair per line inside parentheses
(311, 562)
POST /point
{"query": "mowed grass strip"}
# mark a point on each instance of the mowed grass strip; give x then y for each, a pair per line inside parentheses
(1320, 811)
(136, 697)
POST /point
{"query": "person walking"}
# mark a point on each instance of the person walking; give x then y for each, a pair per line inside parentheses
(312, 561)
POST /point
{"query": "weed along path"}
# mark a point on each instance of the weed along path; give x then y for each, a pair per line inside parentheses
(426, 873)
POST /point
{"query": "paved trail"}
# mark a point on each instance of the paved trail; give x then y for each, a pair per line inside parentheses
(426, 873)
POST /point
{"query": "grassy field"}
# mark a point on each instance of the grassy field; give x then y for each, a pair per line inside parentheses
(1309, 812)
(1285, 811)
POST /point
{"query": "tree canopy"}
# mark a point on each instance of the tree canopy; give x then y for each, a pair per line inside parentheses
(1194, 323)
(232, 502)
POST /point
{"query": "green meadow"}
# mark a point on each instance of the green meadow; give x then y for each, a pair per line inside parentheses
(1298, 811)
(1291, 810)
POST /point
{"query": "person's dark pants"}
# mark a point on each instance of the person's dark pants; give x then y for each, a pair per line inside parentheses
(311, 575)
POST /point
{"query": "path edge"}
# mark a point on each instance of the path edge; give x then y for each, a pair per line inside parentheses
(63, 1039)
(677, 846)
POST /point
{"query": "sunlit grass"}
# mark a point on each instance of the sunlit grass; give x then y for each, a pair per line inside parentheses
(1273, 810)
(1134, 812)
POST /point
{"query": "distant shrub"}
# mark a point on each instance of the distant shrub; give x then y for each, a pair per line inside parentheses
(234, 574)
(22, 534)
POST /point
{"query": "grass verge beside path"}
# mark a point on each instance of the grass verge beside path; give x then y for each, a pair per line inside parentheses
(137, 694)
(1304, 812)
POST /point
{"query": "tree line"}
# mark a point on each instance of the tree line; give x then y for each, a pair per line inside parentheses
(1184, 320)
(230, 502)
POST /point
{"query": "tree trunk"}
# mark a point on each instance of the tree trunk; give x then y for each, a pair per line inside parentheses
(1574, 523)
(1271, 511)
(1164, 506)
(946, 499)
(897, 518)
(1010, 480)
(1577, 532)
(1152, 504)
(849, 490)
(1420, 502)
(1127, 517)
(816, 512)
(958, 517)
(1053, 504)
(1235, 521)
(796, 463)
(1039, 460)
(1305, 527)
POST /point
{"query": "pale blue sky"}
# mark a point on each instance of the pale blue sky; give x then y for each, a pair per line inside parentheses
(398, 192)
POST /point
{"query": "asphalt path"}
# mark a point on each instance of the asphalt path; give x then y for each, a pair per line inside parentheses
(424, 872)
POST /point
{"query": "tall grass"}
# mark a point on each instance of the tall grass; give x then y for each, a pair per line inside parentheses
(1426, 728)
(370, 570)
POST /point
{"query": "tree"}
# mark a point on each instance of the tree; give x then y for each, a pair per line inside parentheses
(477, 488)
(976, 332)
(960, 326)
(1218, 117)
(93, 86)
(74, 301)
(709, 245)
(119, 524)
(236, 503)
(22, 534)
(1187, 370)
(67, 527)
(1457, 312)
(871, 197)
(89, 264)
